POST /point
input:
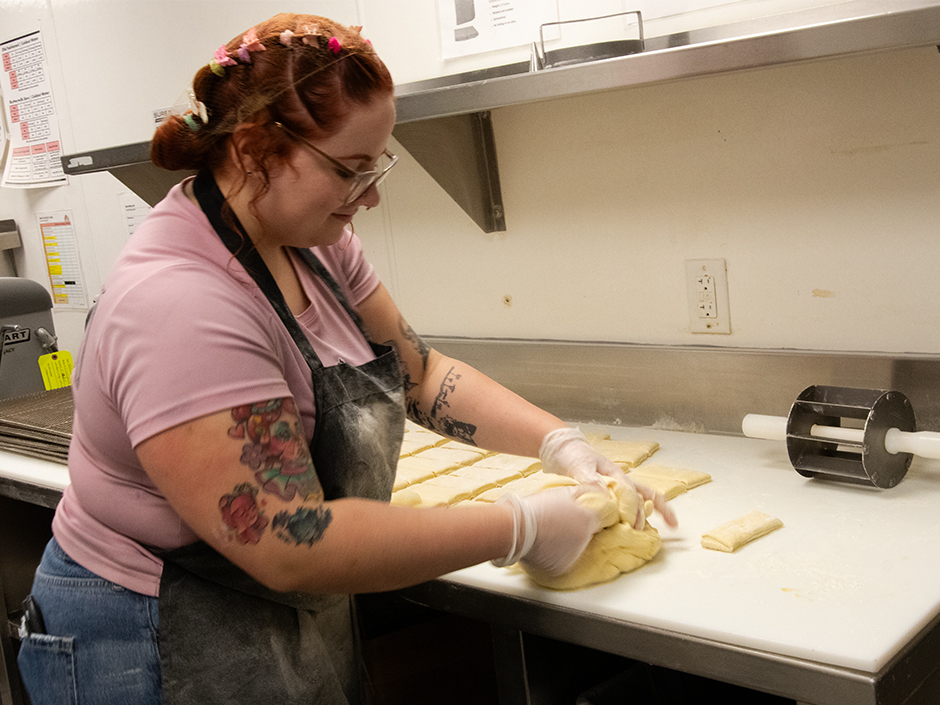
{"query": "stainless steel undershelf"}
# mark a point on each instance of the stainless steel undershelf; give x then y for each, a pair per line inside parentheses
(899, 682)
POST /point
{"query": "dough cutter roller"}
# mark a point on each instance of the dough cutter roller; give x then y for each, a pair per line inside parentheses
(819, 445)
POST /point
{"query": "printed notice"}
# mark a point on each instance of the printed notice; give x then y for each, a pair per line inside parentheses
(61, 248)
(475, 26)
(133, 211)
(35, 153)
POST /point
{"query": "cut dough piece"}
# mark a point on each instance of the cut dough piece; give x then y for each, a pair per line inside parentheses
(439, 495)
(410, 446)
(729, 537)
(405, 476)
(536, 482)
(434, 439)
(669, 488)
(450, 458)
(420, 469)
(457, 445)
(617, 548)
(628, 453)
(506, 461)
(489, 476)
(405, 498)
(689, 478)
(472, 486)
(594, 436)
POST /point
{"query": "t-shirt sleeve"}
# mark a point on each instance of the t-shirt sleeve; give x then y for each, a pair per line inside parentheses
(184, 345)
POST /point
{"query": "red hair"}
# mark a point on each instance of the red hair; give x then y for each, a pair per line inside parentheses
(316, 72)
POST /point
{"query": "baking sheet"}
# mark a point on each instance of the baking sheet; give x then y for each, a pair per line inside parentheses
(848, 580)
(38, 425)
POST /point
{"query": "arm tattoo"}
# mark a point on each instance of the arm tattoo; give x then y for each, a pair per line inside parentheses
(306, 525)
(419, 346)
(276, 452)
(241, 513)
(439, 419)
(422, 348)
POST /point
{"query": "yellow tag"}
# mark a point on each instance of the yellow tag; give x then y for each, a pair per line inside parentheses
(56, 369)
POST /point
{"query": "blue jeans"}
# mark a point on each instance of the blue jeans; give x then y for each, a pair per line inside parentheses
(100, 645)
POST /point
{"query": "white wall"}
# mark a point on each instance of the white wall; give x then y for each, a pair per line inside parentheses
(819, 184)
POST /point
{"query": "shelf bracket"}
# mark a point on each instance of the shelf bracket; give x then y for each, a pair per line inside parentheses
(459, 153)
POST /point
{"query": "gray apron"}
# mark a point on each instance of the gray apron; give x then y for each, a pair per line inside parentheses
(224, 637)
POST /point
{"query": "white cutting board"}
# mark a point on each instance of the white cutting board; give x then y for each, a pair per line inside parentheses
(849, 580)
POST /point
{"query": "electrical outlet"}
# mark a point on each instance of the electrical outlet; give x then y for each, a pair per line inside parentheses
(707, 287)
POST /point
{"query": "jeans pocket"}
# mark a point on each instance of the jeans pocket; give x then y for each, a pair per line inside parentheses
(47, 668)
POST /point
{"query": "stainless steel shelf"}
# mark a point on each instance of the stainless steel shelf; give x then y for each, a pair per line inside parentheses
(445, 122)
(429, 111)
(779, 40)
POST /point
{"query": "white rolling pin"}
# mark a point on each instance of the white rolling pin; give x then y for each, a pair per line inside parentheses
(925, 444)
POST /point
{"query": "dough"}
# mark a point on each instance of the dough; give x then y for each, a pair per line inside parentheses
(457, 445)
(450, 458)
(471, 485)
(410, 446)
(405, 498)
(420, 469)
(617, 548)
(439, 495)
(670, 481)
(594, 436)
(488, 476)
(731, 536)
(505, 461)
(669, 488)
(689, 478)
(536, 482)
(628, 453)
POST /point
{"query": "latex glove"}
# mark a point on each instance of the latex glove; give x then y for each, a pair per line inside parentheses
(551, 528)
(565, 451)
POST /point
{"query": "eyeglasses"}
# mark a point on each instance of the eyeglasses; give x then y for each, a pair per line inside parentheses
(361, 181)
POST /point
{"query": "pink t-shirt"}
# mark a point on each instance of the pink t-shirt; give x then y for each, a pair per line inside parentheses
(180, 331)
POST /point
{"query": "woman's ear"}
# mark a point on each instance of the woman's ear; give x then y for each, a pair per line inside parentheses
(239, 148)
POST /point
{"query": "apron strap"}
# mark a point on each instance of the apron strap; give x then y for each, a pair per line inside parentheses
(316, 266)
(239, 244)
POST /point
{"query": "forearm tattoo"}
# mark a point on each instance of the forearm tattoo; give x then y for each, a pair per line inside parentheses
(276, 453)
(437, 419)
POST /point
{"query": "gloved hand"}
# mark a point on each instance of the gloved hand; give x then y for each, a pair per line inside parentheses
(551, 528)
(565, 451)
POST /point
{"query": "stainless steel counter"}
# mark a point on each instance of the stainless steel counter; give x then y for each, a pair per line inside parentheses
(838, 608)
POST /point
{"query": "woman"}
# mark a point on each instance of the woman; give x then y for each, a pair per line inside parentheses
(240, 398)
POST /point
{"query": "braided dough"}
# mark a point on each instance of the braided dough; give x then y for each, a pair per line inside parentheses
(617, 548)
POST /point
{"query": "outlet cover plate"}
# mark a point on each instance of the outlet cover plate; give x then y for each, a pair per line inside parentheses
(707, 287)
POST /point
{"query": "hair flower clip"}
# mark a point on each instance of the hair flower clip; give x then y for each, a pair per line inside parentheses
(222, 58)
(335, 45)
(250, 43)
(310, 34)
(286, 37)
(197, 107)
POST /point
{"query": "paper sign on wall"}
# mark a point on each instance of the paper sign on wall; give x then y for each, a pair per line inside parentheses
(35, 154)
(475, 26)
(62, 262)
